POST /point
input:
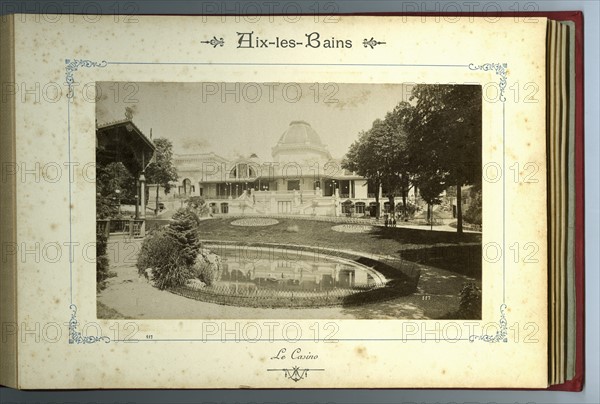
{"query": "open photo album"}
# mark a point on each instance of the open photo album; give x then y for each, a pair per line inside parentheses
(349, 201)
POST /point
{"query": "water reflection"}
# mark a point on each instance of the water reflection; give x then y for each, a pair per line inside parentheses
(291, 270)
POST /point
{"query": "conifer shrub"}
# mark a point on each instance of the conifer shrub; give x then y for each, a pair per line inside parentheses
(173, 255)
(165, 257)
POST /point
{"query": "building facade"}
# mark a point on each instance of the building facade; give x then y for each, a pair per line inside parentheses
(300, 178)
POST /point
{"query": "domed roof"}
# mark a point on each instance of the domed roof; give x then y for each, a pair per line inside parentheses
(300, 132)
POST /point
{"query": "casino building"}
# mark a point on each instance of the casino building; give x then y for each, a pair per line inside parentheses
(300, 178)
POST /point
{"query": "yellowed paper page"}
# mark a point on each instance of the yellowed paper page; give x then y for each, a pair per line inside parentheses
(63, 344)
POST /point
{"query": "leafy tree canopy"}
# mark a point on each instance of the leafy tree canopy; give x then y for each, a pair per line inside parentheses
(161, 170)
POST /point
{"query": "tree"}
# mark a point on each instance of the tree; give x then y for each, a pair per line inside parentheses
(113, 181)
(396, 159)
(431, 185)
(445, 134)
(362, 159)
(161, 170)
(381, 155)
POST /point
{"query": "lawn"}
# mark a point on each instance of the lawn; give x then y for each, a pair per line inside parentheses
(446, 250)
(442, 261)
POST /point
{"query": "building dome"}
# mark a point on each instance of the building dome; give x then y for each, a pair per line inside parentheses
(300, 142)
(300, 132)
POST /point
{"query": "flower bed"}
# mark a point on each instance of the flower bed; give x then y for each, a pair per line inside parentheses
(353, 228)
(254, 222)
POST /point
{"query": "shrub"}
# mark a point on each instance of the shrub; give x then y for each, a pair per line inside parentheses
(184, 229)
(208, 267)
(206, 272)
(172, 252)
(470, 301)
(197, 204)
(469, 307)
(473, 213)
(168, 260)
(101, 260)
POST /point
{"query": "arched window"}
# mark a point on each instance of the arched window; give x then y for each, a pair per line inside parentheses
(187, 186)
(242, 170)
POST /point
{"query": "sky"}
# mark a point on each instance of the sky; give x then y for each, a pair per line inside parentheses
(233, 119)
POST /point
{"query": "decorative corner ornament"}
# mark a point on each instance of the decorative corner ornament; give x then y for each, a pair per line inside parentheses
(372, 43)
(214, 42)
(501, 70)
(72, 65)
(295, 373)
(75, 337)
(502, 333)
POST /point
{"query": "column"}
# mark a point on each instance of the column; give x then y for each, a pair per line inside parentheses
(142, 181)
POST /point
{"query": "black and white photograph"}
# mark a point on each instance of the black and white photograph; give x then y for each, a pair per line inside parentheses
(288, 200)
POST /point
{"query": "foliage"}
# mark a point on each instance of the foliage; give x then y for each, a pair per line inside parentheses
(164, 255)
(470, 302)
(445, 135)
(105, 207)
(381, 154)
(473, 213)
(184, 229)
(161, 170)
(430, 188)
(410, 208)
(208, 267)
(197, 204)
(111, 178)
(172, 251)
(469, 307)
(431, 184)
(102, 265)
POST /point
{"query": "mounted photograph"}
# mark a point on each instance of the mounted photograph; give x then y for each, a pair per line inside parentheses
(240, 200)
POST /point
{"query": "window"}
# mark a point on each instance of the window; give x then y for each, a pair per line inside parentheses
(187, 186)
(224, 207)
(242, 170)
(344, 187)
(372, 190)
(360, 207)
(293, 185)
